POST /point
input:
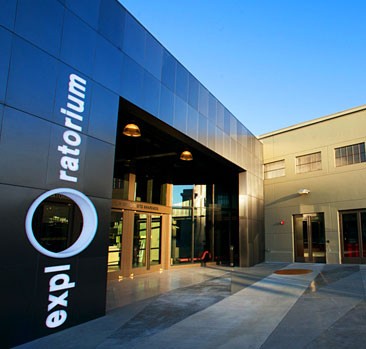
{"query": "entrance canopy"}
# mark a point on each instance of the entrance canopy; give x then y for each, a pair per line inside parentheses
(156, 153)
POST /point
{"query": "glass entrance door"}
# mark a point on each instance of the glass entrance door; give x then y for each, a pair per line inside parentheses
(309, 238)
(115, 241)
(146, 240)
(353, 235)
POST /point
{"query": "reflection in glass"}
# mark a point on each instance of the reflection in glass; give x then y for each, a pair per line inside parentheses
(353, 224)
(181, 249)
(203, 100)
(193, 91)
(166, 107)
(134, 39)
(181, 82)
(148, 190)
(212, 108)
(139, 241)
(115, 241)
(146, 240)
(180, 115)
(168, 70)
(363, 229)
(120, 187)
(153, 56)
(57, 223)
(155, 242)
(204, 218)
(350, 235)
(305, 238)
(309, 233)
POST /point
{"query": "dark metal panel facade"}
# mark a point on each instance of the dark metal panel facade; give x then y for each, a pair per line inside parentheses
(64, 65)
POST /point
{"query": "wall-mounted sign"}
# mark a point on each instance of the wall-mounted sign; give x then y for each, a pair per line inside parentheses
(140, 206)
(73, 121)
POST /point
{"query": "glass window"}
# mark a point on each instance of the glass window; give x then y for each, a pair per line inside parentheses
(274, 169)
(182, 195)
(139, 240)
(181, 244)
(57, 223)
(350, 234)
(148, 190)
(351, 154)
(309, 163)
(353, 229)
(146, 240)
(155, 242)
(115, 241)
(204, 220)
(363, 232)
(120, 188)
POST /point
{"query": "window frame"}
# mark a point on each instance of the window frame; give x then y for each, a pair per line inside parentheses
(310, 162)
(276, 171)
(349, 154)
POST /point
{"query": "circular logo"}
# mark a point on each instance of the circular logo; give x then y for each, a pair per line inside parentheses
(90, 223)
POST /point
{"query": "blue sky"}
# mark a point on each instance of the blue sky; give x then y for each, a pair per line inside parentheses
(272, 63)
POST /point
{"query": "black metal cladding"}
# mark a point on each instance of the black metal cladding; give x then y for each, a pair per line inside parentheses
(42, 43)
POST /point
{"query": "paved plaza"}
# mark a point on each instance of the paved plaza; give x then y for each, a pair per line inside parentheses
(268, 306)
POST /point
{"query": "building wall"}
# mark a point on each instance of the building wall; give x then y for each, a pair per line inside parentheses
(331, 189)
(42, 44)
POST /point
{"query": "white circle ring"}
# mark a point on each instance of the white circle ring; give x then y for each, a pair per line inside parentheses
(90, 223)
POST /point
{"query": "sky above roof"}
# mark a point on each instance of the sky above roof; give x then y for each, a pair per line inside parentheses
(272, 63)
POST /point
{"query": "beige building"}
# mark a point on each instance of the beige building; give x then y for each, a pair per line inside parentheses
(315, 190)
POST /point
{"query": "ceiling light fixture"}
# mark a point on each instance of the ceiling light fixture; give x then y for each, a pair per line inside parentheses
(132, 130)
(186, 156)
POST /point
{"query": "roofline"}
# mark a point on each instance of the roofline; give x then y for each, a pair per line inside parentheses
(312, 122)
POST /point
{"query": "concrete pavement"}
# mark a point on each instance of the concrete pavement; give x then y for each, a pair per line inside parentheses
(218, 307)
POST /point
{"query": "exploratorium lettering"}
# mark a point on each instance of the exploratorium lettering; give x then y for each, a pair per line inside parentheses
(73, 121)
(59, 285)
